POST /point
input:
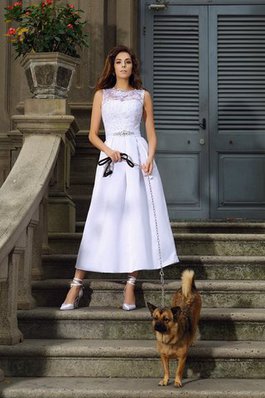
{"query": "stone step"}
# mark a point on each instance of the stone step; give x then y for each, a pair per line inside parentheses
(82, 387)
(111, 323)
(222, 293)
(129, 358)
(241, 227)
(205, 267)
(187, 244)
(225, 227)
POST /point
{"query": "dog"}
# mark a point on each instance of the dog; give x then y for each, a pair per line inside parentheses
(175, 328)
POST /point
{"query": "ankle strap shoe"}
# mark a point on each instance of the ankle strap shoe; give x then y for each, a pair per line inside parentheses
(75, 304)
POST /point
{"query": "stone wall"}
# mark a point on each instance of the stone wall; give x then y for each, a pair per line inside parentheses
(109, 22)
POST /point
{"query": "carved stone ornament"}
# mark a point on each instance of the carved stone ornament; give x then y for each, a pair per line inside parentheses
(49, 75)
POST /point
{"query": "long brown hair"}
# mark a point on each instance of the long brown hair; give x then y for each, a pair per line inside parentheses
(108, 78)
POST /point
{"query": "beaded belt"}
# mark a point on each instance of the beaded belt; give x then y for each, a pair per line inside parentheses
(123, 132)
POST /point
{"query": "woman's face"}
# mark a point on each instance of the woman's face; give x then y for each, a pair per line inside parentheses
(123, 65)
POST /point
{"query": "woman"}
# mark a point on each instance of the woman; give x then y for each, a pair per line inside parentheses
(127, 227)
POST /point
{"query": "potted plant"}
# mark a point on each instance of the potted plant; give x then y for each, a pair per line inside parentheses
(47, 36)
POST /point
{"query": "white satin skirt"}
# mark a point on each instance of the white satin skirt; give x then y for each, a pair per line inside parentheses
(127, 227)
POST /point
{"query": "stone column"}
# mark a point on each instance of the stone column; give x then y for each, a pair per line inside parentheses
(40, 114)
(40, 240)
(5, 95)
(3, 278)
(9, 332)
(127, 18)
(25, 299)
(5, 161)
(61, 208)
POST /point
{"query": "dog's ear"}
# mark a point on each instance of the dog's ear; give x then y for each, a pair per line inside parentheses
(151, 307)
(176, 312)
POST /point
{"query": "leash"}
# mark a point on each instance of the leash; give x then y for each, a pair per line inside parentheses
(161, 273)
(162, 281)
(109, 164)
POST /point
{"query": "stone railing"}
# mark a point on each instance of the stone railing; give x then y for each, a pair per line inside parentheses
(47, 132)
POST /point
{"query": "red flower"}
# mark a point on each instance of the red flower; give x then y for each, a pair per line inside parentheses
(70, 26)
(46, 3)
(10, 7)
(18, 4)
(70, 5)
(11, 31)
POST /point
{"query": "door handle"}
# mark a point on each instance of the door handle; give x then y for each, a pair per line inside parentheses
(203, 124)
(158, 7)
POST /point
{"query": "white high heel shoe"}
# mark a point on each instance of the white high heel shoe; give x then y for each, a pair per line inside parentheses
(72, 306)
(129, 307)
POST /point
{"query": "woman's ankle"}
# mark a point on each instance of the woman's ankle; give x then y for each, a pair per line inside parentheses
(129, 294)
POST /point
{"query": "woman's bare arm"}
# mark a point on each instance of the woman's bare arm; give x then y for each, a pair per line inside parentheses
(94, 129)
(150, 132)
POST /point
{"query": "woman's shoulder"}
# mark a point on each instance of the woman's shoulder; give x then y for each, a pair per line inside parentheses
(146, 92)
(146, 95)
(99, 92)
(98, 95)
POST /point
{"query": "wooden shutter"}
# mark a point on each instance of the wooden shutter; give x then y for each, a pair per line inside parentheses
(176, 72)
(241, 73)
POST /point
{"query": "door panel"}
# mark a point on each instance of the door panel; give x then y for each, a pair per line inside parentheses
(237, 103)
(249, 191)
(175, 71)
(188, 167)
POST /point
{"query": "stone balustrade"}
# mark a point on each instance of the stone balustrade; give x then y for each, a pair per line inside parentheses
(48, 133)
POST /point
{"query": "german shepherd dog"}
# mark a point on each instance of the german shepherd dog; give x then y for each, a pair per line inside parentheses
(175, 328)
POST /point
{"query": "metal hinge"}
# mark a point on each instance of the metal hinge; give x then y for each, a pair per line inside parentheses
(144, 30)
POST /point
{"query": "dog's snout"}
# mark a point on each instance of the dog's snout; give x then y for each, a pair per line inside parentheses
(160, 327)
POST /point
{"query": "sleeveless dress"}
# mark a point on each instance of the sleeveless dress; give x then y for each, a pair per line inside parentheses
(127, 227)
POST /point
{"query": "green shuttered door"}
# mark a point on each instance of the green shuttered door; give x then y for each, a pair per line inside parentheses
(205, 66)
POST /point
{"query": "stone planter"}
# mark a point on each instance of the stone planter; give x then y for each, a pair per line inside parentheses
(49, 75)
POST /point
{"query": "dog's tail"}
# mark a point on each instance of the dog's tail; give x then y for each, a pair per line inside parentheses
(187, 282)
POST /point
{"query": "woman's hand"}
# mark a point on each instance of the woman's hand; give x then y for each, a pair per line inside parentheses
(147, 167)
(114, 155)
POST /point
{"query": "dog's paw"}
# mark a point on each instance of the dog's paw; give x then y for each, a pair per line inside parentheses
(178, 383)
(163, 382)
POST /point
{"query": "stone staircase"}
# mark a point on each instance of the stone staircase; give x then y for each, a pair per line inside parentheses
(99, 350)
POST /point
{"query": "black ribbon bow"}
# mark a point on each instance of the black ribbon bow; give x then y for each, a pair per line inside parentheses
(108, 162)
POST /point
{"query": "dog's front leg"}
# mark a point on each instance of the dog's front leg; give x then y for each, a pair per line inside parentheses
(180, 370)
(165, 363)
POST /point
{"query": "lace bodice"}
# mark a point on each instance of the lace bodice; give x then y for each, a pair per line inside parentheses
(122, 110)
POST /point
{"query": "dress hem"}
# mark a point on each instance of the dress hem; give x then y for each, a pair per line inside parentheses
(97, 269)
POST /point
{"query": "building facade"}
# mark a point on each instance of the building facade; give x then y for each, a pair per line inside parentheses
(204, 62)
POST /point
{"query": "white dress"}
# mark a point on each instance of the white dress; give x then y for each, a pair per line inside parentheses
(127, 227)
